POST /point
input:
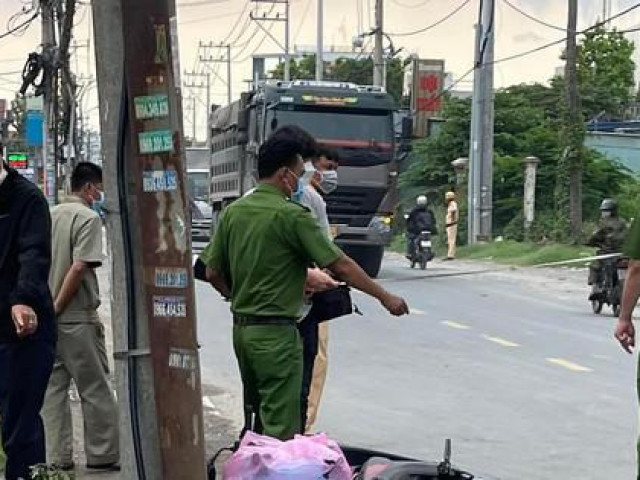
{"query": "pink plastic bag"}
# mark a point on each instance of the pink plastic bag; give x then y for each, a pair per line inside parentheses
(303, 458)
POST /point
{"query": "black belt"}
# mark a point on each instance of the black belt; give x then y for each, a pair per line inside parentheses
(245, 321)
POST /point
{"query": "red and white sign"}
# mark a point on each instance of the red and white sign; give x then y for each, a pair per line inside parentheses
(426, 98)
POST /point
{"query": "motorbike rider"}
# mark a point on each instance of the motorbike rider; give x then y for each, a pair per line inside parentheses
(420, 219)
(609, 238)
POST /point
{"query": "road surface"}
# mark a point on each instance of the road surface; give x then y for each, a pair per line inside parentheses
(511, 365)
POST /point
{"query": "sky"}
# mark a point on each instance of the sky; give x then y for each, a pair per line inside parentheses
(204, 21)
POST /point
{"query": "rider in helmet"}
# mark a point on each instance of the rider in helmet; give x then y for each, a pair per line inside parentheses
(609, 238)
(420, 219)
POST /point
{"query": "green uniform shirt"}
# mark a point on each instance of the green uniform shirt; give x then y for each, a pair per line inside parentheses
(263, 245)
(76, 235)
(632, 245)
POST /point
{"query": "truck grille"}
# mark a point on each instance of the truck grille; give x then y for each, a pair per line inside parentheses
(354, 206)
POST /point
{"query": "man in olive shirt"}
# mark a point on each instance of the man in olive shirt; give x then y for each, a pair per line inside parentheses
(625, 332)
(81, 355)
(258, 258)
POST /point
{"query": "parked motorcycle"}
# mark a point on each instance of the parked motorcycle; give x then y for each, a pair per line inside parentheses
(610, 285)
(422, 251)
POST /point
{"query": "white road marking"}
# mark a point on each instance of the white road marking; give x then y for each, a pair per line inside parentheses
(501, 341)
(206, 401)
(456, 325)
(574, 367)
(415, 311)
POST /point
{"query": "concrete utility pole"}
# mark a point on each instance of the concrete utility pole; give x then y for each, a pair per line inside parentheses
(156, 352)
(50, 52)
(277, 18)
(481, 144)
(530, 171)
(320, 43)
(575, 137)
(207, 59)
(378, 49)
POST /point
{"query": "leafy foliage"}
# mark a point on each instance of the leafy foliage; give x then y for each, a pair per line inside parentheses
(359, 71)
(605, 73)
(526, 123)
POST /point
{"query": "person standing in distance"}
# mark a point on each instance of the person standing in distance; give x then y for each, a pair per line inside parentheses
(451, 224)
(81, 355)
(258, 259)
(27, 320)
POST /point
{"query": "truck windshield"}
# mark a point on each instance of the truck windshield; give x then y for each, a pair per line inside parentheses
(341, 127)
(198, 185)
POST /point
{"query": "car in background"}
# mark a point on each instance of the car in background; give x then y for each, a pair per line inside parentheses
(201, 212)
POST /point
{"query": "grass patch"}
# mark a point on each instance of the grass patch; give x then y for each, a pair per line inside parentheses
(522, 253)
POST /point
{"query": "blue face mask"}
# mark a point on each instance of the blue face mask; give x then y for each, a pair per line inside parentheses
(98, 205)
(303, 181)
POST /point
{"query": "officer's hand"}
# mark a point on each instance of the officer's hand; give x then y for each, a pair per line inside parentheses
(626, 334)
(24, 319)
(319, 281)
(395, 305)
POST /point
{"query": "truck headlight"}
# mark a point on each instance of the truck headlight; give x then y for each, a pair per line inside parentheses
(382, 224)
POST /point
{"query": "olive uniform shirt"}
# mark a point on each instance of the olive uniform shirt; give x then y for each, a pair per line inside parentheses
(632, 245)
(263, 244)
(76, 235)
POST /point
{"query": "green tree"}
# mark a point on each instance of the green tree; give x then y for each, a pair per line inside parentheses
(359, 71)
(605, 73)
(527, 120)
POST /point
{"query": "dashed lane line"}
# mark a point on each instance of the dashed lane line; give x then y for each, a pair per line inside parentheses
(416, 311)
(501, 341)
(456, 325)
(574, 367)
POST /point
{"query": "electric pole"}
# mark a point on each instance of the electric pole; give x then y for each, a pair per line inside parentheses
(277, 18)
(481, 144)
(50, 53)
(153, 302)
(378, 49)
(226, 59)
(575, 136)
(192, 84)
(320, 45)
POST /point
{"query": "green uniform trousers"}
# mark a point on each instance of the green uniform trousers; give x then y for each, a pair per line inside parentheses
(81, 355)
(270, 361)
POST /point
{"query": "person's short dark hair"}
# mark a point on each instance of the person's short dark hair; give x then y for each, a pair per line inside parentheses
(85, 172)
(328, 153)
(277, 152)
(307, 144)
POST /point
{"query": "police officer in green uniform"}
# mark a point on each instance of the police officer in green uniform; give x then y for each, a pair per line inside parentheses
(625, 331)
(258, 259)
(609, 238)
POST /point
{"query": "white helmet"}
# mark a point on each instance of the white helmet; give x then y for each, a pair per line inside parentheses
(421, 201)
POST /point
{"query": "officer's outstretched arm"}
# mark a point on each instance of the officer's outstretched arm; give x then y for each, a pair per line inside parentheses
(349, 271)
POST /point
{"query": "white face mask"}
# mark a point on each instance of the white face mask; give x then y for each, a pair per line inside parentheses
(329, 181)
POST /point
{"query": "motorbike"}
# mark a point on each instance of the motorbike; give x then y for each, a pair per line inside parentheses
(422, 251)
(608, 289)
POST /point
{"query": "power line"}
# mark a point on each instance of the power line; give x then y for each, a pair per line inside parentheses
(235, 25)
(17, 28)
(417, 5)
(433, 25)
(531, 17)
(200, 3)
(581, 32)
(304, 20)
(206, 19)
(547, 45)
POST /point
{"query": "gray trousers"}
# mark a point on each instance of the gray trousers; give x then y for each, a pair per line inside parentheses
(81, 356)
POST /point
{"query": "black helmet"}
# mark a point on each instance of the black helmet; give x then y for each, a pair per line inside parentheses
(609, 205)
